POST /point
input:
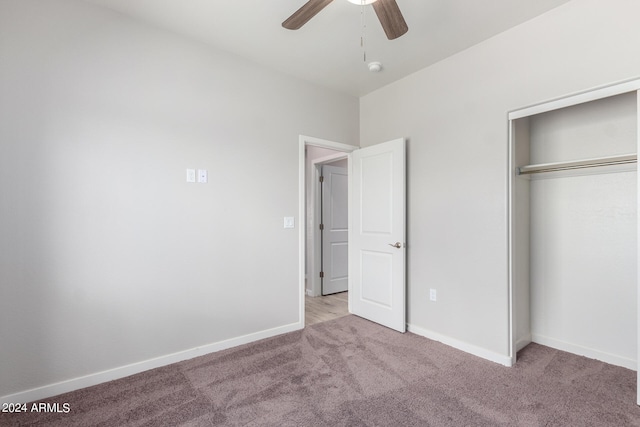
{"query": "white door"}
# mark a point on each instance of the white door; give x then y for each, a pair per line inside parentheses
(377, 234)
(335, 223)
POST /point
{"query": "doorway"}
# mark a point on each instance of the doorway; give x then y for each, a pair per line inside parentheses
(377, 230)
(327, 222)
(313, 154)
(327, 286)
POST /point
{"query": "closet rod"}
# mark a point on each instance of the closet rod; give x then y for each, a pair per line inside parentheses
(578, 164)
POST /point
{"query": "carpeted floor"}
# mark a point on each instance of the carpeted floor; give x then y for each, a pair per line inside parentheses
(351, 372)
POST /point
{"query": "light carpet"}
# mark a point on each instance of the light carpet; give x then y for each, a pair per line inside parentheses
(351, 372)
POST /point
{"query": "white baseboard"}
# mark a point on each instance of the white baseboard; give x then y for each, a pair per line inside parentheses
(462, 346)
(522, 342)
(55, 389)
(591, 353)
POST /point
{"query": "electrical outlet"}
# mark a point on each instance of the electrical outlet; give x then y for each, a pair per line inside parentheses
(191, 175)
(433, 295)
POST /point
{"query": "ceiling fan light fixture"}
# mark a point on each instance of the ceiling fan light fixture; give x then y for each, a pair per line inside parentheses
(361, 2)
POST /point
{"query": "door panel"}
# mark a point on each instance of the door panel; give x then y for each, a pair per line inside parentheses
(377, 268)
(335, 234)
(376, 173)
(377, 205)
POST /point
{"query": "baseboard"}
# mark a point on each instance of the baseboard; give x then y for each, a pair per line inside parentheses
(591, 353)
(523, 342)
(462, 346)
(135, 368)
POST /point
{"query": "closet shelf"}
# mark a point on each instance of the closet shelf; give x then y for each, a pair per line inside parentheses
(578, 164)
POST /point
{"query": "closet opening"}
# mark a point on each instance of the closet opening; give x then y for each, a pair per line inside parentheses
(573, 243)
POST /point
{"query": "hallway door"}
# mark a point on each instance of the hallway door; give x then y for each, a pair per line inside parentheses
(335, 220)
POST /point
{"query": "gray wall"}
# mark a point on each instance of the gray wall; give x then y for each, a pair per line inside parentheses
(454, 115)
(107, 256)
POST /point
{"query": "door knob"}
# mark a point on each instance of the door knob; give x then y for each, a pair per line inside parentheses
(397, 245)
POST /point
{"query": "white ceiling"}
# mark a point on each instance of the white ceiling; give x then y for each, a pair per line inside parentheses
(327, 50)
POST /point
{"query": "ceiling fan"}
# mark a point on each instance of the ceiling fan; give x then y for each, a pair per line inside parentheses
(388, 13)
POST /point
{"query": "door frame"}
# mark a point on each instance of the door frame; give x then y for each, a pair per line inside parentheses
(303, 141)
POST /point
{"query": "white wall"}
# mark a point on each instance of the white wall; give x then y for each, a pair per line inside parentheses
(454, 115)
(583, 227)
(107, 257)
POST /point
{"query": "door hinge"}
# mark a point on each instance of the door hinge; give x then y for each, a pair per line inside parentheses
(321, 178)
(322, 274)
(321, 226)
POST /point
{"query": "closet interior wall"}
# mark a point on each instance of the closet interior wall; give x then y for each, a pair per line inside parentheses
(574, 234)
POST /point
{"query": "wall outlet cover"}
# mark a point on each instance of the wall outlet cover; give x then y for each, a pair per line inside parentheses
(289, 222)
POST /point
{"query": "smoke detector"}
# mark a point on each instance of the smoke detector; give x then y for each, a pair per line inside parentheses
(375, 67)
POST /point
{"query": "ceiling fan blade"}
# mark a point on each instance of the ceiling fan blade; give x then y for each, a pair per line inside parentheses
(305, 13)
(391, 18)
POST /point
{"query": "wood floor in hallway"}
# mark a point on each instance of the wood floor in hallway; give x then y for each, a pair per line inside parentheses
(321, 309)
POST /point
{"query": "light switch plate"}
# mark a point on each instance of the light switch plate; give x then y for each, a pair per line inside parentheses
(191, 175)
(202, 176)
(289, 222)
